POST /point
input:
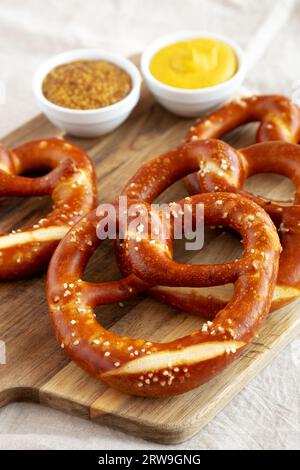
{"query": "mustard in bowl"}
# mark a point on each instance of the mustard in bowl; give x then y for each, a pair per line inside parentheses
(194, 63)
(192, 72)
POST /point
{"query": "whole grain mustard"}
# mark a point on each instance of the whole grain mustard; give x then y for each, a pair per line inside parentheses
(86, 84)
(195, 63)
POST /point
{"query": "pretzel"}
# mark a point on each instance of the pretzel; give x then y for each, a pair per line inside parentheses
(229, 170)
(71, 184)
(222, 168)
(279, 120)
(146, 368)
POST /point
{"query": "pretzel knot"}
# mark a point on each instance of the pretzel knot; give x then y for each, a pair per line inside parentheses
(71, 184)
(222, 168)
(147, 368)
(228, 171)
(279, 119)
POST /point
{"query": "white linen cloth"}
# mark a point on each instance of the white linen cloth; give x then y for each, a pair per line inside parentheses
(266, 414)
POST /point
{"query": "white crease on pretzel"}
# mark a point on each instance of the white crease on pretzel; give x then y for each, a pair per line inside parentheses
(4, 167)
(285, 292)
(32, 236)
(186, 356)
(225, 292)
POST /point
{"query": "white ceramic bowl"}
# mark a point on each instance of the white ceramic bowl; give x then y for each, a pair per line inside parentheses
(187, 102)
(93, 122)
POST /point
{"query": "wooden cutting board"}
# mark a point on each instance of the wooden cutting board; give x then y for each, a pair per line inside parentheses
(36, 368)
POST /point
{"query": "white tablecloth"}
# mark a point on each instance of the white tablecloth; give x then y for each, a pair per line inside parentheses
(265, 415)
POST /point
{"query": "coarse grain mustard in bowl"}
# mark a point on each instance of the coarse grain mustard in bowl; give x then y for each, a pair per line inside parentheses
(192, 72)
(87, 92)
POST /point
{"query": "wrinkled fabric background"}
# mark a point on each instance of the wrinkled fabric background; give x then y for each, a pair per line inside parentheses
(266, 414)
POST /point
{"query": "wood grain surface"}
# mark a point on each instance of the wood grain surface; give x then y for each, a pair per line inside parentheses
(37, 369)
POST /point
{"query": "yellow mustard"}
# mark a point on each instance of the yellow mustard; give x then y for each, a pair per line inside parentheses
(195, 63)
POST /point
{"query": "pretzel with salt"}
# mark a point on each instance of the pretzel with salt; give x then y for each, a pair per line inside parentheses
(222, 168)
(143, 367)
(278, 116)
(70, 183)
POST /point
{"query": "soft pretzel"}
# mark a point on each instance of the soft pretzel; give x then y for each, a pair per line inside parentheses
(279, 120)
(221, 168)
(267, 157)
(227, 170)
(71, 184)
(142, 367)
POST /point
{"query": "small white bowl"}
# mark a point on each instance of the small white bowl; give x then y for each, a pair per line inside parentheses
(91, 122)
(191, 102)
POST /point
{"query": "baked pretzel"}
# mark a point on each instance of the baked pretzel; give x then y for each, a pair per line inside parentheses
(145, 368)
(279, 120)
(72, 186)
(222, 168)
(229, 170)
